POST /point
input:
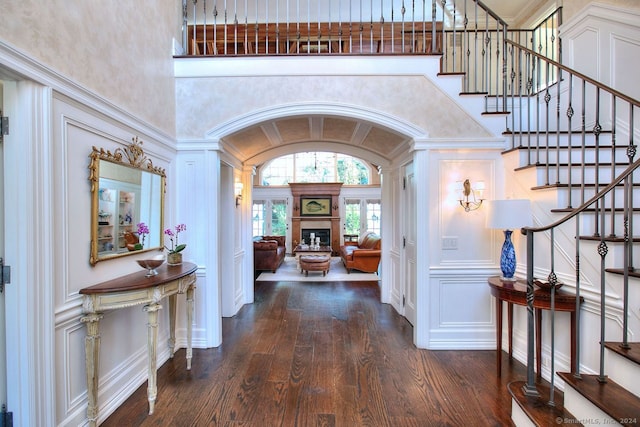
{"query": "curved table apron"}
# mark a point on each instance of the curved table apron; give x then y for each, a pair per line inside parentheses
(127, 291)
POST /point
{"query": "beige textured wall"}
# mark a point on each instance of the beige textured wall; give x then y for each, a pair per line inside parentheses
(119, 50)
(204, 103)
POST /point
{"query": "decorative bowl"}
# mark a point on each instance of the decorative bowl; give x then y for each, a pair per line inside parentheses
(151, 265)
(546, 285)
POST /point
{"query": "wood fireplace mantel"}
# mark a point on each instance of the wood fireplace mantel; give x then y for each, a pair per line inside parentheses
(328, 190)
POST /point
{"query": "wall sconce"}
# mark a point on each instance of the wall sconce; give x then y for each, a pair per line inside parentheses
(471, 195)
(238, 192)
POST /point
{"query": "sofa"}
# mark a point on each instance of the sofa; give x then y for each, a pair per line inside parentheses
(268, 252)
(363, 255)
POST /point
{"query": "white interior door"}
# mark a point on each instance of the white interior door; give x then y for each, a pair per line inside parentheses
(3, 330)
(409, 243)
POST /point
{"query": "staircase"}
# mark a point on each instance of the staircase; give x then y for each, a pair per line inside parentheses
(572, 148)
(572, 145)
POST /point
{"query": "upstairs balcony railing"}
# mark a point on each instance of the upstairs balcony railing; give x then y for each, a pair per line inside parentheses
(469, 36)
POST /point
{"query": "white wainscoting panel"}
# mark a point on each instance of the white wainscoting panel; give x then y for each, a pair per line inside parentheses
(462, 312)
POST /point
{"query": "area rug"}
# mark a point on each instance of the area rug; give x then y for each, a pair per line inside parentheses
(337, 273)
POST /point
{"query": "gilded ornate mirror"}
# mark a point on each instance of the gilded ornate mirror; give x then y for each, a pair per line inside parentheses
(127, 202)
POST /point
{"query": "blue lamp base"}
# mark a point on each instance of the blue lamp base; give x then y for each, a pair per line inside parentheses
(508, 257)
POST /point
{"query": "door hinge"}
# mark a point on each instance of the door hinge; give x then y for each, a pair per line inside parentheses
(6, 418)
(4, 126)
(404, 182)
(5, 270)
(404, 242)
(404, 300)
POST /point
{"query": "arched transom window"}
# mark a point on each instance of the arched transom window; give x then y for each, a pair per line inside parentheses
(315, 166)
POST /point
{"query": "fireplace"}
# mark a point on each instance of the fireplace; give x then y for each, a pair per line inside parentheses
(323, 233)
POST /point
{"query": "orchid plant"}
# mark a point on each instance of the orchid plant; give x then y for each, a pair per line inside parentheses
(143, 230)
(173, 238)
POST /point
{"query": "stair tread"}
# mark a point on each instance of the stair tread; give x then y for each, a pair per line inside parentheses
(537, 408)
(610, 397)
(620, 271)
(632, 353)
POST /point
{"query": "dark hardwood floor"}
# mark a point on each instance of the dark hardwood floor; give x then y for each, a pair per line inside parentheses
(324, 354)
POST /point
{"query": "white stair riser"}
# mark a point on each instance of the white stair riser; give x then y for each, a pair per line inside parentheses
(519, 417)
(623, 371)
(584, 411)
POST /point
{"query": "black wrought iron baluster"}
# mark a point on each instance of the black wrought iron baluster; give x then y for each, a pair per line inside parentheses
(576, 372)
(583, 131)
(558, 95)
(602, 251)
(612, 219)
(547, 99)
(553, 282)
(599, 206)
(569, 138)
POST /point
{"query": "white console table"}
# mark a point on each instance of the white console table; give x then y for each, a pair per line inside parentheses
(127, 291)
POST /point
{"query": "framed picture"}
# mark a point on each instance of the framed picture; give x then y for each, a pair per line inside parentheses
(315, 206)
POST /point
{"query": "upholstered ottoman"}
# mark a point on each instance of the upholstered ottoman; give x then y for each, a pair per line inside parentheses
(315, 263)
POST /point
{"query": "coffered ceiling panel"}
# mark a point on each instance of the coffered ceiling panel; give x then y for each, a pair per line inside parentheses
(249, 141)
(295, 129)
(338, 129)
(383, 141)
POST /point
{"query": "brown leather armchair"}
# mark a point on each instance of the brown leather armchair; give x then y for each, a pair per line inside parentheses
(363, 255)
(268, 252)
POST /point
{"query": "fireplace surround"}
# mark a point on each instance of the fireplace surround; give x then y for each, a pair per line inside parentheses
(327, 219)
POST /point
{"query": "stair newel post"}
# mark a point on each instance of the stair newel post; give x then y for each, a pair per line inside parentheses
(434, 46)
(529, 388)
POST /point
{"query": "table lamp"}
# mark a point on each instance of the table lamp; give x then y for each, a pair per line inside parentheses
(509, 215)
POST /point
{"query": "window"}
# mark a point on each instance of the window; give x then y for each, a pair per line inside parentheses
(269, 218)
(361, 216)
(278, 218)
(258, 213)
(373, 216)
(352, 217)
(315, 167)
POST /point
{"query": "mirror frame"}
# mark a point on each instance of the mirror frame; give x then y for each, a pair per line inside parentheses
(131, 156)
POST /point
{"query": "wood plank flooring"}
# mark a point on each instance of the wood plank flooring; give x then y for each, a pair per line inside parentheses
(324, 354)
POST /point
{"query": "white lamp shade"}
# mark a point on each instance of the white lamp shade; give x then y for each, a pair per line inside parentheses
(509, 214)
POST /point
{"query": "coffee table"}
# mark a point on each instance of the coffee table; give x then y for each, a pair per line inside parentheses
(308, 250)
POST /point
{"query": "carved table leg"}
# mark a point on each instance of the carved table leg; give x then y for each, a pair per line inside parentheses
(152, 335)
(92, 353)
(190, 294)
(173, 299)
